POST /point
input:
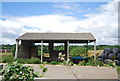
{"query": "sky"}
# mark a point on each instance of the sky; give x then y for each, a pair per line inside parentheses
(99, 18)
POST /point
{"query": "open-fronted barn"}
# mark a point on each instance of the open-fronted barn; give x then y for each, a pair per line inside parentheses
(28, 41)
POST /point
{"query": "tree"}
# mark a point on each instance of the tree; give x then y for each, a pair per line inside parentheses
(78, 51)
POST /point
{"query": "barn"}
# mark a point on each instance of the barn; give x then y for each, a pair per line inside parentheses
(25, 44)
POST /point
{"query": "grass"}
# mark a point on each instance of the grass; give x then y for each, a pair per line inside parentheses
(118, 70)
(6, 57)
(3, 54)
(90, 53)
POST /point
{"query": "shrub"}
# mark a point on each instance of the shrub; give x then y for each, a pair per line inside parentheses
(91, 63)
(94, 63)
(55, 63)
(78, 51)
(21, 60)
(44, 69)
(98, 63)
(33, 60)
(82, 63)
(16, 72)
(13, 50)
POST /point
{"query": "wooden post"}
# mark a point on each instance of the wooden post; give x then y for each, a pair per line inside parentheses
(67, 50)
(86, 49)
(16, 51)
(94, 50)
(41, 51)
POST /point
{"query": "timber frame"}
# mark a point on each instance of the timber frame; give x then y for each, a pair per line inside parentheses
(29, 39)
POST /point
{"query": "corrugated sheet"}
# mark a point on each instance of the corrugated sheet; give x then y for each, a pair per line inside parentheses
(57, 36)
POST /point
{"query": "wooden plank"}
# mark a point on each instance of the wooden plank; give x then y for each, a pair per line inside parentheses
(67, 50)
(41, 51)
(16, 52)
(94, 50)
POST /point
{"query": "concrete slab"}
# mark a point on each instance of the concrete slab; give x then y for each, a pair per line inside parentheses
(89, 72)
(59, 72)
(77, 73)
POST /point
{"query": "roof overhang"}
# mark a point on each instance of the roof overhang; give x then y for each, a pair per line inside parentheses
(58, 37)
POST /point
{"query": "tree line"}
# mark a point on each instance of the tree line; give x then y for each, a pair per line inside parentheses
(60, 47)
(75, 50)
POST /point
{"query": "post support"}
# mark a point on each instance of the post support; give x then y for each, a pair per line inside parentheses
(16, 51)
(67, 50)
(94, 50)
(41, 51)
(86, 49)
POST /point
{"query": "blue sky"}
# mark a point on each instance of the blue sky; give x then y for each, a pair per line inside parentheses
(45, 8)
(99, 18)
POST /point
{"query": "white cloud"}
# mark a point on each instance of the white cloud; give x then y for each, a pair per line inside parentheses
(68, 5)
(70, 8)
(103, 25)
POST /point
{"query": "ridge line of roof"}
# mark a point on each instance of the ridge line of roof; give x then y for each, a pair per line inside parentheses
(58, 32)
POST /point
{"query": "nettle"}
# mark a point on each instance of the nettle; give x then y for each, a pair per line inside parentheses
(18, 72)
(62, 58)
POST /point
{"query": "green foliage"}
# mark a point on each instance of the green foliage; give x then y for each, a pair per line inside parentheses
(90, 63)
(94, 63)
(32, 60)
(15, 72)
(21, 60)
(71, 63)
(56, 63)
(118, 70)
(98, 63)
(78, 51)
(110, 64)
(10, 59)
(61, 47)
(8, 47)
(13, 50)
(82, 63)
(44, 70)
(7, 59)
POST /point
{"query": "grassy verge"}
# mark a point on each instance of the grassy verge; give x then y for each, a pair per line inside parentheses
(3, 54)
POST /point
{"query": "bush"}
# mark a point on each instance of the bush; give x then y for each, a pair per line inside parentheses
(82, 63)
(21, 60)
(94, 63)
(10, 59)
(7, 59)
(33, 60)
(78, 51)
(13, 50)
(16, 72)
(55, 63)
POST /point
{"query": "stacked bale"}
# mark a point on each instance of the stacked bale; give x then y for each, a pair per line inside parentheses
(110, 55)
